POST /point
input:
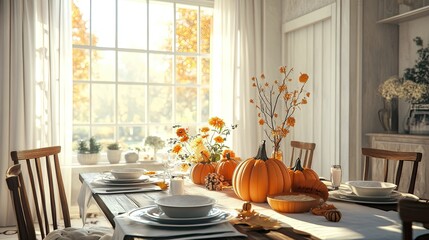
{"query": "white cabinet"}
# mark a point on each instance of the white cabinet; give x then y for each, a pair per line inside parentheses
(405, 143)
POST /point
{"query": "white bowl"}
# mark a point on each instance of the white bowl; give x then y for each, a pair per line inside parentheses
(127, 173)
(371, 188)
(185, 206)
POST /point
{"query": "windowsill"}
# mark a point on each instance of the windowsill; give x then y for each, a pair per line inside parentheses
(120, 164)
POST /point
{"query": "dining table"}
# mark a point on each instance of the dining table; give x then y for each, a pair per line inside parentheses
(359, 220)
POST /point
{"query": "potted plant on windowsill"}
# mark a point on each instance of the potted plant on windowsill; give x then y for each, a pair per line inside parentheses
(88, 155)
(156, 143)
(114, 153)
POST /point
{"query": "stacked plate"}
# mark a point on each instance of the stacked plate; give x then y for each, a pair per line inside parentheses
(349, 196)
(124, 177)
(154, 216)
(181, 211)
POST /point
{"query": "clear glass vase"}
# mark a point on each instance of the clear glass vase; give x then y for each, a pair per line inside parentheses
(388, 115)
(277, 155)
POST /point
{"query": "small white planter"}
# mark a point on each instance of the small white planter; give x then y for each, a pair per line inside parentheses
(88, 158)
(114, 156)
(131, 157)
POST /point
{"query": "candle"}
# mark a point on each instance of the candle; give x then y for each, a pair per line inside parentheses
(336, 176)
(177, 186)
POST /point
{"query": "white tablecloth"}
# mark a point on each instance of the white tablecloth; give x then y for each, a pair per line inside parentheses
(357, 222)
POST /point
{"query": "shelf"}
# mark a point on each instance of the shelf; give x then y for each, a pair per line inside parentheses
(408, 16)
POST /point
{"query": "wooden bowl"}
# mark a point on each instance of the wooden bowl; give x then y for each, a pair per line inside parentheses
(293, 202)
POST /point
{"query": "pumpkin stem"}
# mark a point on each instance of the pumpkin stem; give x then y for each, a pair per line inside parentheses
(205, 158)
(262, 152)
(228, 156)
(298, 165)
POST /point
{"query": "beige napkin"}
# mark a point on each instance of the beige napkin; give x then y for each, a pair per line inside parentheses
(124, 226)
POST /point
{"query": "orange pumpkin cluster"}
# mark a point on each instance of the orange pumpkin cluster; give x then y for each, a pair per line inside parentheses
(257, 177)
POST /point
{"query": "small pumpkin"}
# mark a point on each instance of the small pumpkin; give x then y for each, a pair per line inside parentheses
(200, 170)
(333, 215)
(299, 175)
(226, 167)
(257, 177)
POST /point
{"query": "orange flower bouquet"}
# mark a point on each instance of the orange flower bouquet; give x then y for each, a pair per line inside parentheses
(271, 96)
(207, 145)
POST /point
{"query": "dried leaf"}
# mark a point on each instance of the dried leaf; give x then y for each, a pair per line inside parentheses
(162, 185)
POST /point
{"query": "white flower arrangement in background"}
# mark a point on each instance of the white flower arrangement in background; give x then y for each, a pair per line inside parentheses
(414, 92)
(408, 90)
(390, 88)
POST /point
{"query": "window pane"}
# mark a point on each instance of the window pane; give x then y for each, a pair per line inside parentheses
(160, 68)
(205, 104)
(80, 64)
(161, 26)
(80, 103)
(186, 104)
(130, 34)
(132, 67)
(186, 28)
(103, 65)
(80, 132)
(132, 136)
(206, 29)
(186, 70)
(80, 22)
(103, 134)
(131, 103)
(103, 103)
(160, 100)
(104, 22)
(205, 71)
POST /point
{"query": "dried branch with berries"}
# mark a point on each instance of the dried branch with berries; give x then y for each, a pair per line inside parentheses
(274, 96)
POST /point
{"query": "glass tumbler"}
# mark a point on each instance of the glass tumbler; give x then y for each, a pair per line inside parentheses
(336, 176)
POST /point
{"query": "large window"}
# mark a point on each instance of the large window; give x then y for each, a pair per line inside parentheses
(139, 67)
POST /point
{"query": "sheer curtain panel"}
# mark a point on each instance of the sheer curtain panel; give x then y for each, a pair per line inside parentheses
(35, 82)
(237, 56)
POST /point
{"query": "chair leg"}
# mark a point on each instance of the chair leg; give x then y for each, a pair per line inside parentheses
(407, 231)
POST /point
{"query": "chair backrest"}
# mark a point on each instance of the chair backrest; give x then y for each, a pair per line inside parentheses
(386, 156)
(20, 203)
(44, 176)
(412, 211)
(299, 149)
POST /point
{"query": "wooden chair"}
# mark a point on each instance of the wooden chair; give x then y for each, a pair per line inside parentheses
(413, 211)
(47, 195)
(386, 156)
(300, 148)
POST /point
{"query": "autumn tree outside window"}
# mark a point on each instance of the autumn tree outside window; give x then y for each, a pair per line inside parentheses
(139, 67)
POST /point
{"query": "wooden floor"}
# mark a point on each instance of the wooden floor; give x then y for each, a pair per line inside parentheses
(94, 220)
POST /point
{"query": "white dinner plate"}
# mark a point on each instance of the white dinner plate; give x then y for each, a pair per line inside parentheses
(103, 182)
(392, 197)
(337, 196)
(137, 215)
(157, 214)
(111, 179)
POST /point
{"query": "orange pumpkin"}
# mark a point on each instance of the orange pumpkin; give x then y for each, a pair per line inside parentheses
(200, 170)
(299, 175)
(256, 178)
(226, 167)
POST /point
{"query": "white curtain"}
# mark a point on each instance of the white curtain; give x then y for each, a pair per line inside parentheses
(35, 82)
(236, 58)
